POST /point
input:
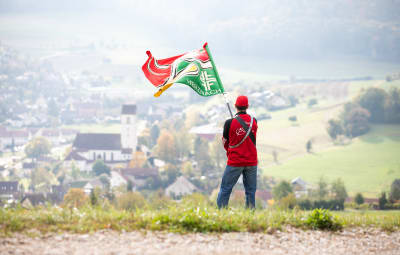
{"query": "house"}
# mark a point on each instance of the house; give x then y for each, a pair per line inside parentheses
(32, 200)
(10, 138)
(91, 185)
(277, 102)
(300, 187)
(8, 189)
(138, 175)
(56, 196)
(113, 149)
(117, 179)
(208, 131)
(180, 188)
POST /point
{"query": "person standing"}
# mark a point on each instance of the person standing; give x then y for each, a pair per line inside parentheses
(239, 139)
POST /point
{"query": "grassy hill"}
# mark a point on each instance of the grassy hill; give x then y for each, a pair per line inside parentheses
(368, 164)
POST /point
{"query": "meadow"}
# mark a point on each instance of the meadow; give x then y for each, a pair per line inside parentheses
(184, 218)
(366, 164)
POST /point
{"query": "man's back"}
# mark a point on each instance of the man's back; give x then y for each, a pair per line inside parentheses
(246, 153)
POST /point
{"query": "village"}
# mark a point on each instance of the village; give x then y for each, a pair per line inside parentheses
(42, 157)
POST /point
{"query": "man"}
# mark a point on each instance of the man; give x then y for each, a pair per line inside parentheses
(239, 139)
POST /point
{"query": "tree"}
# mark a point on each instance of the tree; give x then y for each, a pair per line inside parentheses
(129, 188)
(169, 175)
(373, 99)
(281, 190)
(93, 198)
(75, 198)
(42, 177)
(334, 128)
(154, 134)
(275, 156)
(338, 190)
(394, 194)
(105, 181)
(312, 102)
(359, 199)
(355, 120)
(322, 188)
(100, 168)
(166, 149)
(37, 147)
(218, 153)
(309, 145)
(202, 156)
(382, 201)
(183, 143)
(52, 108)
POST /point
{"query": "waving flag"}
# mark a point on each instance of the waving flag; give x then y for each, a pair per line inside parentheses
(195, 69)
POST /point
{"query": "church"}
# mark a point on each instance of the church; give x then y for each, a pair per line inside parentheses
(113, 149)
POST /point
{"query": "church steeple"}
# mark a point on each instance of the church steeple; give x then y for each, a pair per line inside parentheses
(128, 126)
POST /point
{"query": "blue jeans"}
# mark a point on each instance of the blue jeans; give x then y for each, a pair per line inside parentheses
(230, 178)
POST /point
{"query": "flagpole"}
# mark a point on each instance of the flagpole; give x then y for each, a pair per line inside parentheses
(205, 46)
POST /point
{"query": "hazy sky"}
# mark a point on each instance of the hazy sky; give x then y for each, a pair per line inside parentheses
(252, 30)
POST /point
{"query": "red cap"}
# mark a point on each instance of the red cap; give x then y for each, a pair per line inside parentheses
(242, 101)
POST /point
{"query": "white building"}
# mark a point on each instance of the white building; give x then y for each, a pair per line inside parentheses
(113, 149)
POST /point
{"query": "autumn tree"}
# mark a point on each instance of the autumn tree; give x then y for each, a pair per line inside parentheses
(166, 149)
(37, 147)
(75, 198)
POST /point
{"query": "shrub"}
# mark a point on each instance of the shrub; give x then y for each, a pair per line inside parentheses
(288, 202)
(281, 190)
(359, 199)
(293, 118)
(312, 102)
(131, 201)
(305, 204)
(322, 219)
(382, 201)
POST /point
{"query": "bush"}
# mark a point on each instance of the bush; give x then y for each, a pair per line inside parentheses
(333, 204)
(293, 118)
(312, 102)
(382, 201)
(131, 201)
(322, 219)
(359, 199)
(288, 202)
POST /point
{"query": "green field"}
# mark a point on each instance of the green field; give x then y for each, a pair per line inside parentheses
(368, 165)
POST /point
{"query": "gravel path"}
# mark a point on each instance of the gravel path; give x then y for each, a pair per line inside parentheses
(291, 241)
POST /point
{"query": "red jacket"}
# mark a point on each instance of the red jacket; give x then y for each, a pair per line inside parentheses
(246, 153)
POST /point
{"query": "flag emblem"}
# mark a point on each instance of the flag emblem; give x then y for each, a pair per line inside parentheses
(194, 69)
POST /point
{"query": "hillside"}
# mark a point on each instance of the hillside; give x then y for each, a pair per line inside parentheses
(366, 164)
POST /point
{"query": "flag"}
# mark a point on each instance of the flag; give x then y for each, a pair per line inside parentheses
(195, 69)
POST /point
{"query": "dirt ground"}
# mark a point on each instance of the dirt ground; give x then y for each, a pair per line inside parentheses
(291, 241)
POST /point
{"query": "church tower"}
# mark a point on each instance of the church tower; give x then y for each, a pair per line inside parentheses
(128, 124)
